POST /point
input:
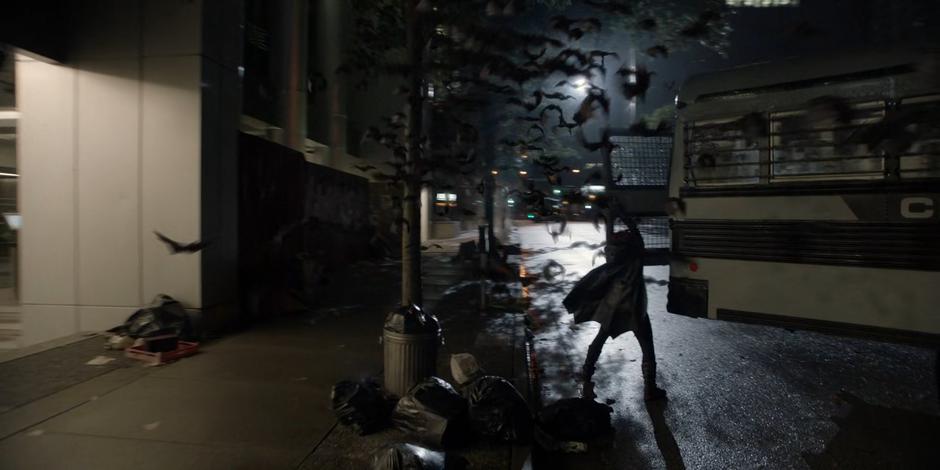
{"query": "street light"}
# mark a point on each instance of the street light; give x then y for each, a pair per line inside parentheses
(575, 170)
(494, 172)
(523, 172)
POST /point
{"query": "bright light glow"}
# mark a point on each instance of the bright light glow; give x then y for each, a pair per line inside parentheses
(440, 196)
(523, 172)
(451, 197)
(588, 206)
(14, 220)
(524, 156)
(575, 170)
(530, 216)
(580, 82)
(596, 188)
(592, 196)
(510, 201)
(556, 191)
(13, 175)
(494, 172)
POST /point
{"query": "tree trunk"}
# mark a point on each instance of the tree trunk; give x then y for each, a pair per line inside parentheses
(411, 290)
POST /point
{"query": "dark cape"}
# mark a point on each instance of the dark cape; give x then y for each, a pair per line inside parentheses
(613, 294)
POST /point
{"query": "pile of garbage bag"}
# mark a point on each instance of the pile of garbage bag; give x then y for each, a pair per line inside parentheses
(568, 424)
(408, 457)
(164, 317)
(498, 411)
(433, 412)
(360, 405)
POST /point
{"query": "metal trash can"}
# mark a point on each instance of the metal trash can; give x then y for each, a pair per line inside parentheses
(411, 337)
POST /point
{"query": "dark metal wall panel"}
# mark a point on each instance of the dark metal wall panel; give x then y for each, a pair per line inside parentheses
(864, 244)
(688, 297)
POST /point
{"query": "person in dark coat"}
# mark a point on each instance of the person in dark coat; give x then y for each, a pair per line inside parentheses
(614, 295)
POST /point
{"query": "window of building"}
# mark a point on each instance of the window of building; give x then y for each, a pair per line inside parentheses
(9, 178)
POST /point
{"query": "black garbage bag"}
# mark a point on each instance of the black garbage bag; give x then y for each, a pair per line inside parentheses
(164, 316)
(408, 457)
(412, 320)
(497, 410)
(433, 412)
(468, 250)
(360, 405)
(576, 419)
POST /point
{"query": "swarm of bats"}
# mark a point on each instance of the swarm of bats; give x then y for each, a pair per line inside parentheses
(476, 63)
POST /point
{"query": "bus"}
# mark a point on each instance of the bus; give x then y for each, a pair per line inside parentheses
(805, 193)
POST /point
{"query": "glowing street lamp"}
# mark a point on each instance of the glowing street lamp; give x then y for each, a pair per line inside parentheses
(523, 172)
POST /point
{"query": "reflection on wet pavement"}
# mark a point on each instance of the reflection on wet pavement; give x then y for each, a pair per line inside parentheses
(740, 396)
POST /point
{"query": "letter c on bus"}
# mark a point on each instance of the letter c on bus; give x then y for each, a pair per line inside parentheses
(917, 208)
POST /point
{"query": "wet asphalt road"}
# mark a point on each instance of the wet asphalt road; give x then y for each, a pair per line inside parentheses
(740, 396)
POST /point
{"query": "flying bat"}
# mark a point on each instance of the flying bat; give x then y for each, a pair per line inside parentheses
(658, 51)
(636, 81)
(647, 24)
(176, 247)
(612, 7)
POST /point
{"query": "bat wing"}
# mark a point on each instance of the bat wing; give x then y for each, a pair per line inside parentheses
(173, 245)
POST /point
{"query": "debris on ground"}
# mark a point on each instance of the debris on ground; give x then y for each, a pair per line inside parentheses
(552, 270)
(99, 361)
(408, 457)
(360, 405)
(162, 341)
(119, 342)
(164, 316)
(567, 422)
(497, 410)
(433, 412)
(464, 368)
(151, 426)
(157, 358)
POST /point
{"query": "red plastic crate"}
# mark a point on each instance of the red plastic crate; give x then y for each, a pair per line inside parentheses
(183, 349)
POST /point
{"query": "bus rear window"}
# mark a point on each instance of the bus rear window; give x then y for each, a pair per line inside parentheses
(828, 140)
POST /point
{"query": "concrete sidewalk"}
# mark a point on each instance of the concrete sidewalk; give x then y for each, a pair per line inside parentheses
(259, 399)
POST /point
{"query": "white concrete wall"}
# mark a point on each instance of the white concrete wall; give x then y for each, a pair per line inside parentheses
(111, 148)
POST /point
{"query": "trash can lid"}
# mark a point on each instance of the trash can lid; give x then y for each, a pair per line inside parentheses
(412, 320)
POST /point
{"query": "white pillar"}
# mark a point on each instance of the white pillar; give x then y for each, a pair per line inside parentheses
(425, 214)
